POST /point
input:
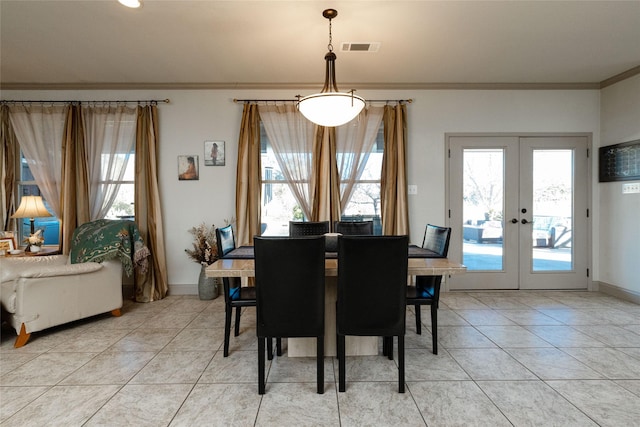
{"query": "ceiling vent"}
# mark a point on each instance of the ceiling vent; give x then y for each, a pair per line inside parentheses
(360, 46)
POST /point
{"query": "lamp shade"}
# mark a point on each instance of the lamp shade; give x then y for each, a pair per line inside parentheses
(134, 4)
(331, 108)
(31, 207)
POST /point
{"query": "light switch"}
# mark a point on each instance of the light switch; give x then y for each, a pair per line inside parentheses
(628, 187)
(412, 189)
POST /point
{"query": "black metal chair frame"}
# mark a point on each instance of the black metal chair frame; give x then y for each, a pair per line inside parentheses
(427, 288)
(290, 282)
(372, 276)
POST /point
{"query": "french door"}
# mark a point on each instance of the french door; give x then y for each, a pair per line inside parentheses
(518, 209)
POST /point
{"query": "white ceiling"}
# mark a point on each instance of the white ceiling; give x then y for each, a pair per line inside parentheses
(272, 44)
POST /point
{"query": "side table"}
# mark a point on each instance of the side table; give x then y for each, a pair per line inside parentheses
(43, 252)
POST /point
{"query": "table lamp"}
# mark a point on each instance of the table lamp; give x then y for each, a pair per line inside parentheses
(31, 207)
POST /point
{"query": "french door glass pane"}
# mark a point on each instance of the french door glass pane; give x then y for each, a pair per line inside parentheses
(552, 210)
(483, 209)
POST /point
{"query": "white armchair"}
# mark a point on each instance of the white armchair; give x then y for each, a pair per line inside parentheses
(40, 292)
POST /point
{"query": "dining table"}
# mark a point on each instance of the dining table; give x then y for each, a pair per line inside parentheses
(420, 263)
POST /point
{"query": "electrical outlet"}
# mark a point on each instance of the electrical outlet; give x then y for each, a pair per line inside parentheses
(630, 187)
(412, 189)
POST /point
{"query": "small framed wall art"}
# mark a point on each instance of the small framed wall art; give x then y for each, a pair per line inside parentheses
(214, 153)
(188, 168)
(7, 244)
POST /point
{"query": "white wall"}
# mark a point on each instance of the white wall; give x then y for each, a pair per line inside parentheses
(619, 220)
(194, 116)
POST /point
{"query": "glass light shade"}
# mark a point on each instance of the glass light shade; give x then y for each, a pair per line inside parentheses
(331, 108)
(134, 4)
(31, 207)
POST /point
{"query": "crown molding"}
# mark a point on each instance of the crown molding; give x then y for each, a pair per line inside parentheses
(300, 86)
(620, 77)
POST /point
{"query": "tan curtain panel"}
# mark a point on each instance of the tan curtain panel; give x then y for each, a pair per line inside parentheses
(74, 191)
(152, 285)
(325, 179)
(248, 179)
(393, 185)
(8, 150)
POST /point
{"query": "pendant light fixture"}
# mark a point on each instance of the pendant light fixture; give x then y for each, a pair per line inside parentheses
(330, 107)
(133, 4)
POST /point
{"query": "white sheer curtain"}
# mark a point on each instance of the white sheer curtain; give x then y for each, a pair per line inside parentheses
(110, 135)
(291, 137)
(354, 142)
(40, 130)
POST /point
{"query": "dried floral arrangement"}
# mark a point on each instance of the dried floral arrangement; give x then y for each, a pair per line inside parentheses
(205, 250)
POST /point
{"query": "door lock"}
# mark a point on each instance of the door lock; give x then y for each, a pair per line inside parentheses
(524, 221)
(514, 221)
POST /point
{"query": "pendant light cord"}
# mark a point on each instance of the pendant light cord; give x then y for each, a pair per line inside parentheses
(330, 45)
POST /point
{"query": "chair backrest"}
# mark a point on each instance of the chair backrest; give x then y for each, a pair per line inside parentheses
(226, 243)
(225, 240)
(354, 228)
(290, 293)
(436, 239)
(372, 283)
(308, 228)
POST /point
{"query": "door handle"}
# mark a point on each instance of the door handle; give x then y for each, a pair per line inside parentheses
(524, 221)
(514, 221)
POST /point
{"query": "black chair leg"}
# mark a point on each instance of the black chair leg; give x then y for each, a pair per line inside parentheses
(400, 363)
(227, 329)
(418, 319)
(279, 346)
(341, 364)
(389, 347)
(269, 348)
(261, 379)
(434, 327)
(236, 330)
(320, 364)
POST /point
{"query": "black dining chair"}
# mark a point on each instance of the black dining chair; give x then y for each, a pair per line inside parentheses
(353, 228)
(290, 275)
(426, 290)
(308, 228)
(372, 280)
(235, 296)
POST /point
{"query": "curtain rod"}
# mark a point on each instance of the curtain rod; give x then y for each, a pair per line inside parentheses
(238, 101)
(152, 101)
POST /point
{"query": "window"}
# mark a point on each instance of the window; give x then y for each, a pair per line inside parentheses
(364, 203)
(279, 206)
(50, 226)
(122, 206)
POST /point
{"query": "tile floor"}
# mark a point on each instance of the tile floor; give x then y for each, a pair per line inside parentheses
(519, 358)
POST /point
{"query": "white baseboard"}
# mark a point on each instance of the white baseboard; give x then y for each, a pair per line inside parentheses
(184, 289)
(618, 292)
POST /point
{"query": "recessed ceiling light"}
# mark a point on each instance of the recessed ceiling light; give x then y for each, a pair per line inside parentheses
(134, 4)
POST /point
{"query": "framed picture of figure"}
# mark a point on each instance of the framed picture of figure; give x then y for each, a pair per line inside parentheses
(188, 168)
(214, 153)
